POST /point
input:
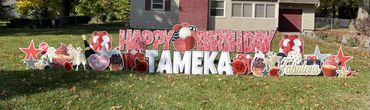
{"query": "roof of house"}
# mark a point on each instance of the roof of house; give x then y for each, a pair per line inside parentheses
(301, 1)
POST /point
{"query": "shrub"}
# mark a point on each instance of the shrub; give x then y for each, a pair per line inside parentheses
(45, 23)
(30, 23)
(71, 20)
(322, 36)
(362, 27)
(120, 9)
(353, 42)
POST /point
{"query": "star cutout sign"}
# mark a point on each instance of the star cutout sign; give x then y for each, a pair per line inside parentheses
(320, 56)
(342, 59)
(30, 63)
(30, 51)
(265, 72)
(343, 73)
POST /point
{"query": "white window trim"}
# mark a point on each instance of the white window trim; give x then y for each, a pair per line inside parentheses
(210, 8)
(152, 3)
(254, 9)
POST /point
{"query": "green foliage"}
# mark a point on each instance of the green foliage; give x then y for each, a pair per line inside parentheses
(329, 4)
(353, 42)
(322, 36)
(331, 7)
(329, 37)
(118, 8)
(43, 8)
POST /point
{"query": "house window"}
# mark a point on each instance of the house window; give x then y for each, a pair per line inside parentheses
(270, 11)
(237, 10)
(217, 7)
(242, 9)
(158, 4)
(247, 10)
(265, 10)
(252, 10)
(260, 11)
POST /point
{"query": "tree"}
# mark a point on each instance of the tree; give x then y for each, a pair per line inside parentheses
(333, 6)
(363, 11)
(119, 8)
(45, 8)
(32, 8)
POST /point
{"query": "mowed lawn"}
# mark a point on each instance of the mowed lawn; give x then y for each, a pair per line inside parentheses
(53, 89)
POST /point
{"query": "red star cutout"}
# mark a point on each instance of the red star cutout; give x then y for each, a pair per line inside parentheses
(31, 51)
(342, 59)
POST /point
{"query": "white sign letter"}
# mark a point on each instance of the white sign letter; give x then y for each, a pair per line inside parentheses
(224, 64)
(178, 64)
(165, 63)
(151, 54)
(209, 64)
(197, 62)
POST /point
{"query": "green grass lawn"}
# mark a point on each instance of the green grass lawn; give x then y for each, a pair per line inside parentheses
(26, 89)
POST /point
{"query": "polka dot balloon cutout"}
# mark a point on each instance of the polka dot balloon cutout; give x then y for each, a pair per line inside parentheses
(291, 43)
(296, 57)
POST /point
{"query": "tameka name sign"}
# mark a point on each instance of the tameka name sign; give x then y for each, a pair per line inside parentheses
(195, 51)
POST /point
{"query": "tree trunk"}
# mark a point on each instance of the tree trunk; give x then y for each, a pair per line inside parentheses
(66, 7)
(363, 10)
(334, 11)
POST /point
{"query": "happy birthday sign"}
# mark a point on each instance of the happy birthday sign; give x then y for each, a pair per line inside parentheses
(231, 41)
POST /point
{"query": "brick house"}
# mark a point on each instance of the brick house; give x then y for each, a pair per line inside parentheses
(282, 15)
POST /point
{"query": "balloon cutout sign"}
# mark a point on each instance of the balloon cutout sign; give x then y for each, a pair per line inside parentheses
(195, 52)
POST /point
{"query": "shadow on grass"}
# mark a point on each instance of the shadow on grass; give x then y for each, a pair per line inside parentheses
(112, 27)
(27, 82)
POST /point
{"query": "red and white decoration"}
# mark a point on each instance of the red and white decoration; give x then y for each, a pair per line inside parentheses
(184, 41)
(291, 43)
(135, 60)
(100, 39)
(240, 64)
(97, 62)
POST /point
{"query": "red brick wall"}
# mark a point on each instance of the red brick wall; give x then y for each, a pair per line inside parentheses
(194, 12)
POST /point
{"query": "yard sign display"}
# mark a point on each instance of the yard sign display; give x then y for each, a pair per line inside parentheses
(185, 50)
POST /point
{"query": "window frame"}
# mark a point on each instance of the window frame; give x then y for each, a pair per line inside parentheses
(242, 9)
(254, 9)
(210, 9)
(163, 5)
(266, 10)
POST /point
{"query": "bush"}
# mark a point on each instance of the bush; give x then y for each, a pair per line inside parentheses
(30, 23)
(353, 42)
(45, 23)
(96, 8)
(363, 28)
(329, 38)
(71, 20)
(322, 36)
